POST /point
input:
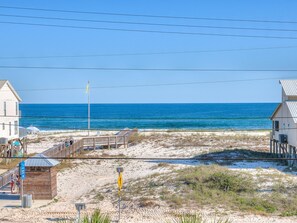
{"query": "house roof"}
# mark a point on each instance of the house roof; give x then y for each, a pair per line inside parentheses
(276, 110)
(3, 82)
(289, 86)
(41, 161)
(292, 106)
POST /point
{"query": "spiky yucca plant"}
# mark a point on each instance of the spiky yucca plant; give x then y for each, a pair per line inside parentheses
(97, 217)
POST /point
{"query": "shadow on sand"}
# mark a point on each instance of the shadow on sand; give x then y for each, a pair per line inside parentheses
(242, 160)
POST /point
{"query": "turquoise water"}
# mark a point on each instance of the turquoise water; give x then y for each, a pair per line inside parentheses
(247, 116)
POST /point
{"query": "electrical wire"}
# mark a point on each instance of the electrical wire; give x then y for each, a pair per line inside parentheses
(149, 31)
(148, 24)
(148, 69)
(147, 53)
(96, 118)
(157, 158)
(150, 16)
(152, 85)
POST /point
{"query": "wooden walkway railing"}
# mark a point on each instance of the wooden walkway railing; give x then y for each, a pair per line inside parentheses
(61, 150)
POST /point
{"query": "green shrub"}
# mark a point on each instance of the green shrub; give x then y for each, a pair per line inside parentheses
(214, 177)
(187, 218)
(228, 182)
(257, 204)
(96, 217)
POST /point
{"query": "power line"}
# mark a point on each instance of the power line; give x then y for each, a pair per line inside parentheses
(153, 85)
(147, 53)
(149, 69)
(168, 118)
(149, 31)
(151, 16)
(159, 158)
(148, 24)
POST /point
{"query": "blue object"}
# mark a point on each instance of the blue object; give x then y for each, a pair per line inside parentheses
(16, 143)
(22, 170)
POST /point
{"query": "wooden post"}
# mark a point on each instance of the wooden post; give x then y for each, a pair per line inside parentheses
(61, 149)
(125, 142)
(116, 142)
(5, 154)
(287, 153)
(273, 149)
(294, 156)
(108, 142)
(290, 156)
(94, 143)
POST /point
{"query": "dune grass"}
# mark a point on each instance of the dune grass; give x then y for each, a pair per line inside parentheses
(217, 186)
(197, 218)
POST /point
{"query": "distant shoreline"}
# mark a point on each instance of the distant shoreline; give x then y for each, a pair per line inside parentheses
(157, 130)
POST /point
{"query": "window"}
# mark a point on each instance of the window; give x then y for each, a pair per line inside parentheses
(16, 127)
(276, 126)
(4, 108)
(9, 128)
(16, 108)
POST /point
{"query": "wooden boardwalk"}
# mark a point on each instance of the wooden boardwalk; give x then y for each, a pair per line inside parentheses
(62, 150)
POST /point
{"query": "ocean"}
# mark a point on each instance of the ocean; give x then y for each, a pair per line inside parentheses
(245, 116)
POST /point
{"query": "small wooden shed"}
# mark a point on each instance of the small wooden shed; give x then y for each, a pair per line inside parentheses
(41, 177)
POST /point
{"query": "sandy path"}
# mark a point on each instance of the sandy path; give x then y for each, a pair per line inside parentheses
(87, 178)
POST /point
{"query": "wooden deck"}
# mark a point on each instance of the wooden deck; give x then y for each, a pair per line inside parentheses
(61, 150)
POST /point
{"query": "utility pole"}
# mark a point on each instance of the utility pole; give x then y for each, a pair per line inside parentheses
(89, 108)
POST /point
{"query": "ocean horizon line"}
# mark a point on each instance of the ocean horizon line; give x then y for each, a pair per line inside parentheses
(149, 103)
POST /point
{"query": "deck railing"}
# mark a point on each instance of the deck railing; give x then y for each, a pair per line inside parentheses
(62, 150)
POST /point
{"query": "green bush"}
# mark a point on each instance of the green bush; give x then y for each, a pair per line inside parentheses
(96, 217)
(257, 204)
(187, 218)
(214, 177)
(228, 182)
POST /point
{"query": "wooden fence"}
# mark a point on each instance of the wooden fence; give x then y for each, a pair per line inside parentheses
(62, 150)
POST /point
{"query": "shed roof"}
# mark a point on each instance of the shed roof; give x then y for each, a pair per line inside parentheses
(289, 86)
(41, 161)
(292, 106)
(3, 82)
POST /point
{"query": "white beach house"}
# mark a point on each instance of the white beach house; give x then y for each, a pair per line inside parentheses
(283, 141)
(9, 111)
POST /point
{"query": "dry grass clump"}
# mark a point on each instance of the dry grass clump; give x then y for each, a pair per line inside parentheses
(136, 138)
(145, 202)
(66, 164)
(197, 218)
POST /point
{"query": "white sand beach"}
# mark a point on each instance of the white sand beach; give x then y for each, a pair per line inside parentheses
(95, 181)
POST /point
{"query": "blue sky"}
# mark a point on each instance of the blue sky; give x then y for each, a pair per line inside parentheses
(21, 40)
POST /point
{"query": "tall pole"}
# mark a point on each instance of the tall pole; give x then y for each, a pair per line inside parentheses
(89, 109)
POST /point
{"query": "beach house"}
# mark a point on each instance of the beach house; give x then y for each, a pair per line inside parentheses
(283, 140)
(9, 111)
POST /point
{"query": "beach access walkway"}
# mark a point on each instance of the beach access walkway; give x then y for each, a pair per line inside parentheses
(63, 150)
